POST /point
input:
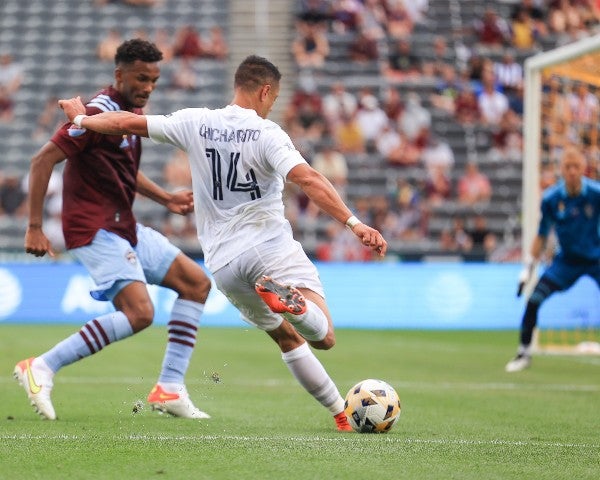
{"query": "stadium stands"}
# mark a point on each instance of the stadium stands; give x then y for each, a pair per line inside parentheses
(55, 42)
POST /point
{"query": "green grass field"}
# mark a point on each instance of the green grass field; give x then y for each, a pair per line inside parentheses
(462, 417)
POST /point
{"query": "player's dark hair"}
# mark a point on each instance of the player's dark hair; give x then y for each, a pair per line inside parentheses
(137, 49)
(255, 72)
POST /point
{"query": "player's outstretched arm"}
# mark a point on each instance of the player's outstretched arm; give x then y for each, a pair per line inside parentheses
(108, 123)
(321, 191)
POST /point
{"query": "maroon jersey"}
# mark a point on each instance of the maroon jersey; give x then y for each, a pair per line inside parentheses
(99, 180)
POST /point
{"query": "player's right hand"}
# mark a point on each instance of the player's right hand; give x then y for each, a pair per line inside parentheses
(37, 243)
(72, 107)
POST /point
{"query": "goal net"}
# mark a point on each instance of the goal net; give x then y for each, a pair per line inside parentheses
(561, 106)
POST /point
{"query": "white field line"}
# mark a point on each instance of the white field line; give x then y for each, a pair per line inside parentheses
(276, 383)
(309, 439)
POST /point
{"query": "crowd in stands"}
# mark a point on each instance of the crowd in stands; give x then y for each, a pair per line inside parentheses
(352, 132)
(478, 87)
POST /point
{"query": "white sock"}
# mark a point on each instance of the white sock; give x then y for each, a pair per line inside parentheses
(309, 372)
(91, 338)
(312, 324)
(524, 350)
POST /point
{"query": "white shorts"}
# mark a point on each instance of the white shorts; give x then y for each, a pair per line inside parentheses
(281, 258)
(113, 263)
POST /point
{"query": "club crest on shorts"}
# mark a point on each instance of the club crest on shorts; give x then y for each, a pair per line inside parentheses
(131, 257)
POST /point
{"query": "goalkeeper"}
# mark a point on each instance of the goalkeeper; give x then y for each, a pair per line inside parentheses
(572, 207)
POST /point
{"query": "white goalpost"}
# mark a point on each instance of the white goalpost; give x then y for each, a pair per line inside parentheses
(578, 61)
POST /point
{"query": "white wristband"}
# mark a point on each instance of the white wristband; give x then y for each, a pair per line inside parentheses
(77, 120)
(352, 222)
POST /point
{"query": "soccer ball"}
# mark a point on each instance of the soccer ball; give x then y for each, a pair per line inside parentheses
(372, 406)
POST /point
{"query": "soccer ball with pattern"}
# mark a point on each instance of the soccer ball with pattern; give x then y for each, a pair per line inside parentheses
(372, 406)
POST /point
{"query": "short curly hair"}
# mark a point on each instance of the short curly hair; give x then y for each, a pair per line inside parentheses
(137, 49)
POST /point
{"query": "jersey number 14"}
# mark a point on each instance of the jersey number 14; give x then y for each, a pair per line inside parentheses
(233, 183)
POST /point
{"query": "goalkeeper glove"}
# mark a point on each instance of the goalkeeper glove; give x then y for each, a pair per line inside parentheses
(526, 274)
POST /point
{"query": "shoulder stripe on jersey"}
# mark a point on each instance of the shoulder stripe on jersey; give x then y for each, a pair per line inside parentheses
(104, 103)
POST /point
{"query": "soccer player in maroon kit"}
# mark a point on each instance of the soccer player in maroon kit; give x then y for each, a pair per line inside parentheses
(101, 178)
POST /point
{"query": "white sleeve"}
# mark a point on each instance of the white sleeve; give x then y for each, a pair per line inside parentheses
(174, 128)
(281, 152)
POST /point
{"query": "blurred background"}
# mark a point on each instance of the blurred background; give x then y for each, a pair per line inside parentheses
(413, 110)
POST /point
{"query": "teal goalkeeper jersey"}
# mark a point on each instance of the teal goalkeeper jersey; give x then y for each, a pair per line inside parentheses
(575, 220)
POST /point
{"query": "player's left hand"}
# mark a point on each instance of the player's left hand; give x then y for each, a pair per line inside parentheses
(370, 238)
(181, 202)
(72, 107)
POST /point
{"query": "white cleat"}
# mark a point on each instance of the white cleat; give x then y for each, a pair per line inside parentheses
(174, 400)
(36, 378)
(519, 363)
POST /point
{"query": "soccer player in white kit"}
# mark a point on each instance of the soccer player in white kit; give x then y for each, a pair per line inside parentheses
(239, 162)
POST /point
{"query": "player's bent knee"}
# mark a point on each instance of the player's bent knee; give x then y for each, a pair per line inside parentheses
(140, 318)
(325, 344)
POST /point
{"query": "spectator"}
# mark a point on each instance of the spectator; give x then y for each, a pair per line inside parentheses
(459, 233)
(348, 135)
(303, 115)
(396, 150)
(392, 104)
(332, 164)
(311, 46)
(188, 43)
(447, 90)
(337, 102)
(184, 76)
(12, 197)
(411, 224)
(584, 108)
(371, 119)
(507, 141)
(473, 186)
(107, 47)
(492, 31)
(314, 10)
(162, 40)
(417, 9)
(508, 74)
(373, 19)
(11, 74)
(466, 107)
(399, 20)
(438, 187)
(346, 15)
(434, 64)
(480, 234)
(363, 48)
(492, 103)
(563, 15)
(216, 46)
(535, 11)
(415, 120)
(523, 31)
(401, 63)
(437, 154)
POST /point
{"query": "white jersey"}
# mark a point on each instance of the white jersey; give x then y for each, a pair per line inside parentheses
(239, 162)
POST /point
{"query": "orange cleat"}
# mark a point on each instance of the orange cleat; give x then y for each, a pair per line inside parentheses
(280, 298)
(174, 401)
(342, 422)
